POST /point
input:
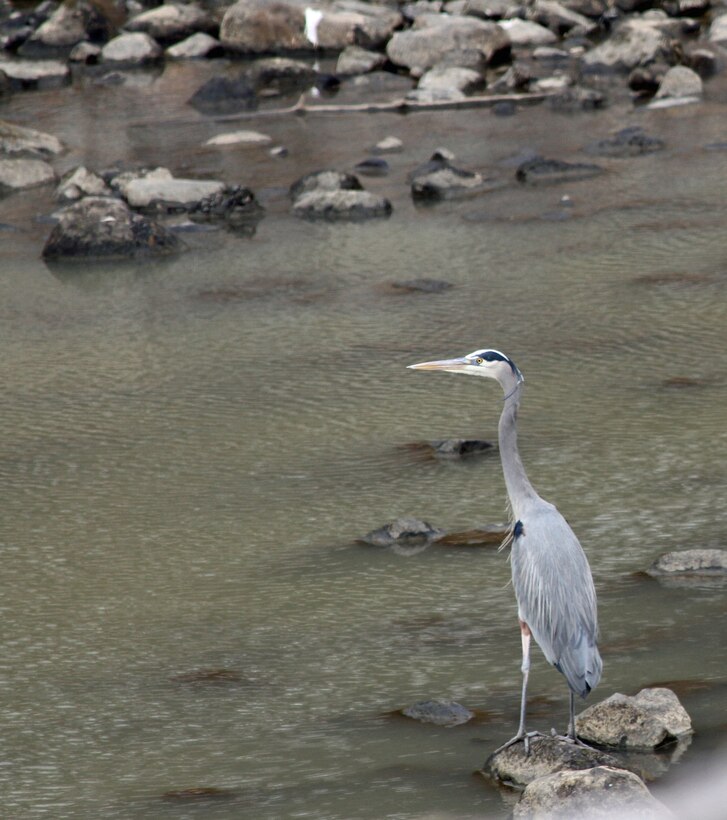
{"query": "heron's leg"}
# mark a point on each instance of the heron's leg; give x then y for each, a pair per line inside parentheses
(572, 720)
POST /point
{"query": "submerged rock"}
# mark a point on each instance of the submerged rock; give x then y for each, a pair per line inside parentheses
(459, 447)
(422, 285)
(342, 204)
(629, 142)
(598, 793)
(326, 180)
(547, 756)
(691, 562)
(225, 95)
(439, 712)
(652, 718)
(439, 179)
(15, 140)
(540, 171)
(405, 531)
(19, 174)
(235, 206)
(98, 228)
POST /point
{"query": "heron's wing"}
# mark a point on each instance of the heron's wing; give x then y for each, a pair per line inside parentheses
(555, 595)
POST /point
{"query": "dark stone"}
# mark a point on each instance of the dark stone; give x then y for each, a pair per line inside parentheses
(541, 171)
(98, 228)
(459, 447)
(327, 180)
(237, 206)
(281, 74)
(704, 61)
(341, 205)
(577, 98)
(504, 109)
(438, 179)
(629, 142)
(439, 712)
(422, 285)
(404, 532)
(645, 80)
(373, 167)
(222, 95)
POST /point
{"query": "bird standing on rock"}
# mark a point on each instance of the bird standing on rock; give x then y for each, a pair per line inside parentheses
(550, 573)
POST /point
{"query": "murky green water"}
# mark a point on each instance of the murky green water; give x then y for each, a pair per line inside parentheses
(189, 451)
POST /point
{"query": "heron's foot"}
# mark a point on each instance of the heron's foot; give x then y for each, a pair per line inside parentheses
(525, 737)
(574, 740)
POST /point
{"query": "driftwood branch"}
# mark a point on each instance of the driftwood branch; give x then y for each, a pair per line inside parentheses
(398, 106)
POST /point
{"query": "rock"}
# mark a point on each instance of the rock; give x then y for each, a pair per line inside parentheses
(423, 285)
(324, 181)
(527, 33)
(680, 81)
(464, 80)
(645, 80)
(195, 47)
(692, 562)
(102, 228)
(172, 22)
(35, 73)
(433, 36)
(15, 140)
(439, 712)
(170, 194)
(79, 183)
(541, 171)
(717, 32)
(561, 19)
(439, 180)
(388, 145)
(704, 61)
(224, 95)
(60, 32)
(460, 447)
(236, 206)
(516, 78)
(484, 9)
(547, 756)
(550, 53)
(629, 142)
(403, 532)
(636, 41)
(281, 74)
(425, 96)
(599, 793)
(341, 204)
(131, 49)
(258, 26)
(652, 718)
(85, 52)
(557, 82)
(372, 167)
(240, 138)
(357, 60)
(19, 174)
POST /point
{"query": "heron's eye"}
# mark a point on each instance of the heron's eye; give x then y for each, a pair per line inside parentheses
(479, 360)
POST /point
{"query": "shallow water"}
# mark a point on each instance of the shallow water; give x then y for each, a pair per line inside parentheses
(191, 448)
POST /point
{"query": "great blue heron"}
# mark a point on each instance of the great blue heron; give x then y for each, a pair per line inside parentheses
(550, 572)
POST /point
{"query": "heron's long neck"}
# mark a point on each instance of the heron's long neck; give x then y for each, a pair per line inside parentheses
(519, 488)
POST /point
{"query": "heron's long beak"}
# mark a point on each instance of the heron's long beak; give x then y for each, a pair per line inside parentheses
(448, 365)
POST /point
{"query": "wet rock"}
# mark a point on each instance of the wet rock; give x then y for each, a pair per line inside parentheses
(196, 47)
(577, 98)
(341, 205)
(547, 756)
(258, 26)
(388, 145)
(460, 447)
(439, 712)
(629, 142)
(435, 95)
(423, 285)
(281, 74)
(172, 22)
(541, 171)
(561, 19)
(78, 183)
(527, 33)
(240, 138)
(691, 562)
(131, 50)
(357, 60)
(433, 36)
(717, 32)
(704, 61)
(405, 531)
(650, 719)
(225, 95)
(645, 80)
(35, 73)
(372, 167)
(85, 52)
(637, 41)
(60, 32)
(324, 181)
(680, 81)
(17, 141)
(171, 193)
(601, 792)
(19, 174)
(98, 228)
(464, 80)
(550, 53)
(439, 180)
(236, 206)
(516, 78)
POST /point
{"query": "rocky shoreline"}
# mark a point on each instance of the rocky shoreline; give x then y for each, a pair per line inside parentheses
(576, 55)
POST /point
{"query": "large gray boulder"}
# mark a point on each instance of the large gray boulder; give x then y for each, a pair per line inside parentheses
(546, 756)
(680, 82)
(172, 22)
(434, 36)
(718, 29)
(65, 27)
(600, 793)
(19, 174)
(258, 26)
(132, 49)
(341, 205)
(98, 228)
(638, 40)
(18, 141)
(645, 721)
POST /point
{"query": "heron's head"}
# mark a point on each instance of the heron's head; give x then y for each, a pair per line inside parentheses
(487, 362)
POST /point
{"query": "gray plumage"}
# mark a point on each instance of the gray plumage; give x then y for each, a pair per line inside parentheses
(550, 572)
